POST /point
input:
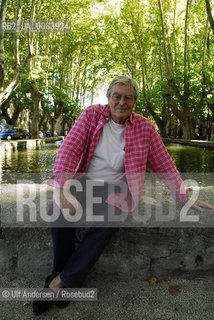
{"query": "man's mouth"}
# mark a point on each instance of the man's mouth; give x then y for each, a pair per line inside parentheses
(121, 109)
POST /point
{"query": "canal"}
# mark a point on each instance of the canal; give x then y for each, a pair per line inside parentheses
(41, 161)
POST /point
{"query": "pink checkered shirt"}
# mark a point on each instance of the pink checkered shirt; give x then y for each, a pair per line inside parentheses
(143, 147)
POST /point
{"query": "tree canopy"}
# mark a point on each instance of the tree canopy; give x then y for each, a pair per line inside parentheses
(167, 46)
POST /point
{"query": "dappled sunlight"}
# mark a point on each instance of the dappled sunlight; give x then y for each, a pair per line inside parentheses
(1, 171)
(108, 7)
(31, 144)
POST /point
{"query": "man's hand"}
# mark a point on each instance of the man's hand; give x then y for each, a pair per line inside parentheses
(67, 203)
(201, 205)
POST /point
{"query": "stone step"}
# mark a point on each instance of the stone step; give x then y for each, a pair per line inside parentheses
(15, 145)
(164, 247)
(162, 252)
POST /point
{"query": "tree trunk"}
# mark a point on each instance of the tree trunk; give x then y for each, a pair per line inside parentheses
(161, 123)
(188, 128)
(209, 14)
(16, 36)
(19, 72)
(186, 55)
(2, 57)
(177, 101)
(37, 95)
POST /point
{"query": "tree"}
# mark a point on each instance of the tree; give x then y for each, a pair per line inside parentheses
(209, 14)
(165, 45)
(165, 48)
(19, 68)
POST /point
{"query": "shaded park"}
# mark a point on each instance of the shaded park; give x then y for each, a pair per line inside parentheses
(48, 77)
(57, 58)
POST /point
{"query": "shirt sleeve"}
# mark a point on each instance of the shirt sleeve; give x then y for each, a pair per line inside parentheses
(70, 152)
(164, 167)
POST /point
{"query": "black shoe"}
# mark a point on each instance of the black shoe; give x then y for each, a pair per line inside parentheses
(58, 303)
(48, 280)
(39, 306)
(61, 303)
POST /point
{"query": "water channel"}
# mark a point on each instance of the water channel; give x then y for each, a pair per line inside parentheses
(41, 161)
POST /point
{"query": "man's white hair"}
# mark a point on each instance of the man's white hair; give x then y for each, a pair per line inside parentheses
(125, 81)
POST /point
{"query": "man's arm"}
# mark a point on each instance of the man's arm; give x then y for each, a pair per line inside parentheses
(164, 167)
(70, 152)
(67, 203)
(201, 205)
(162, 164)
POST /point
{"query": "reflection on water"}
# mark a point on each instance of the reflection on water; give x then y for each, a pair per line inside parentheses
(192, 159)
(23, 163)
(41, 161)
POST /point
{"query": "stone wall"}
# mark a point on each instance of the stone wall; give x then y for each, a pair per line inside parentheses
(14, 145)
(165, 253)
(166, 249)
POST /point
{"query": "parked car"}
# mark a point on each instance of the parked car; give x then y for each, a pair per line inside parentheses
(21, 134)
(47, 134)
(40, 134)
(6, 131)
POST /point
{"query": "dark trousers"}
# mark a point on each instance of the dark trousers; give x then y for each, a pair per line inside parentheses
(73, 264)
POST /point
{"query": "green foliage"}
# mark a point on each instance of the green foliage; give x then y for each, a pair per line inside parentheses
(108, 38)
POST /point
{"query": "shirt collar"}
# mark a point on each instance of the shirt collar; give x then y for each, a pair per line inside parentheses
(106, 112)
(132, 118)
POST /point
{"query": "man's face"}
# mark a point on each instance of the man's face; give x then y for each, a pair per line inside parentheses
(121, 102)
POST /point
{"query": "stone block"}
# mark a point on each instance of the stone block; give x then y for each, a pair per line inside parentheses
(6, 261)
(149, 251)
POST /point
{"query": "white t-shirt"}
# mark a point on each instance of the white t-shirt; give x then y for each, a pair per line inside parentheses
(107, 162)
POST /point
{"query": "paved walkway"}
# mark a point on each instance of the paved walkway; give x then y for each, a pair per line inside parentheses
(122, 299)
(14, 145)
(193, 143)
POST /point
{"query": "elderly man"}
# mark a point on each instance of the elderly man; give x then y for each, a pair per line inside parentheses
(109, 143)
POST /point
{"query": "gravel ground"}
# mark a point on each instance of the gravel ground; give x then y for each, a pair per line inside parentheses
(121, 299)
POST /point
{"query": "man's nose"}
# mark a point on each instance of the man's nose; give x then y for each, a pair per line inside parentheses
(122, 100)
